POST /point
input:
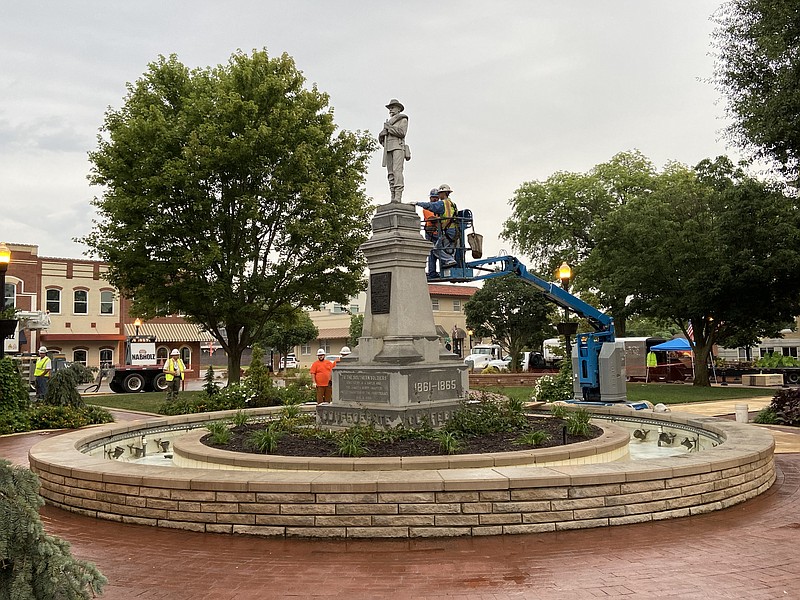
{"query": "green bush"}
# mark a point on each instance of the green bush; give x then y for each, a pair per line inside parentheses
(532, 438)
(258, 379)
(220, 434)
(14, 421)
(13, 391)
(578, 422)
(34, 564)
(786, 407)
(50, 416)
(554, 389)
(766, 416)
(210, 385)
(486, 416)
(449, 442)
(265, 440)
(62, 388)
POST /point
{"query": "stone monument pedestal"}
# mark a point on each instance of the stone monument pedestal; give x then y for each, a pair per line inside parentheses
(399, 374)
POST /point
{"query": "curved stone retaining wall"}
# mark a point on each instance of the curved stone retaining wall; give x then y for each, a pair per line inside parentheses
(403, 503)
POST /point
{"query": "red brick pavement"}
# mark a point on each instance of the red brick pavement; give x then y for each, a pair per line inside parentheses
(747, 551)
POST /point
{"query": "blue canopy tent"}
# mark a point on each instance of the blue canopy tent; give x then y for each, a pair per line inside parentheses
(676, 345)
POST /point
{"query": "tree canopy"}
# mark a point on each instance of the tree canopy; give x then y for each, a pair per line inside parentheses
(513, 313)
(287, 332)
(711, 246)
(228, 196)
(758, 70)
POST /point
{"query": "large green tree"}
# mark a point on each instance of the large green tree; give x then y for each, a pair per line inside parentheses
(555, 220)
(228, 196)
(758, 70)
(711, 246)
(513, 313)
(292, 329)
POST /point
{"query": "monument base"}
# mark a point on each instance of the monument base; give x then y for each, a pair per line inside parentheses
(390, 396)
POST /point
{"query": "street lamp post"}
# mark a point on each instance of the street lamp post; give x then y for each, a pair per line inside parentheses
(566, 328)
(137, 323)
(5, 259)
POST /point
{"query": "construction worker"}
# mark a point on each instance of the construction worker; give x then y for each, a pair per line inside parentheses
(175, 373)
(344, 352)
(321, 374)
(431, 228)
(445, 247)
(42, 373)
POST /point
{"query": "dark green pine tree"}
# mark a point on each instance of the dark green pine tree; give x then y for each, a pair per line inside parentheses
(33, 564)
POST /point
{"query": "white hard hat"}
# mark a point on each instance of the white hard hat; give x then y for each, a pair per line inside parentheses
(345, 350)
(445, 188)
(320, 352)
(42, 349)
(175, 352)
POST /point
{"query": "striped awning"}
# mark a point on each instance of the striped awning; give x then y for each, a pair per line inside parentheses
(171, 332)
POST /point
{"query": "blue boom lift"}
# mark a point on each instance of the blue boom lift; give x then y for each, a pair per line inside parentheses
(588, 346)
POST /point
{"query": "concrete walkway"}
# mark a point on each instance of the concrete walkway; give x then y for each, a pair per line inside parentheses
(746, 551)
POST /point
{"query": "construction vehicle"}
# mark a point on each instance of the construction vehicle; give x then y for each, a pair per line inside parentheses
(598, 361)
(141, 371)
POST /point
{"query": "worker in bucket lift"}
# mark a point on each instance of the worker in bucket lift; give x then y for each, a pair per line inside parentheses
(445, 246)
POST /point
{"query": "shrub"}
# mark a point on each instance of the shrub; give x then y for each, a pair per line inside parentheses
(490, 370)
(353, 442)
(578, 422)
(258, 378)
(34, 564)
(449, 443)
(13, 391)
(766, 416)
(554, 389)
(210, 385)
(62, 388)
(786, 407)
(532, 438)
(51, 416)
(220, 434)
(12, 421)
(487, 416)
(559, 411)
(265, 440)
(240, 418)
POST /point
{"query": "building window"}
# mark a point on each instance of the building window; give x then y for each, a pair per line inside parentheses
(457, 305)
(106, 358)
(186, 356)
(162, 353)
(354, 309)
(10, 294)
(305, 349)
(337, 308)
(435, 303)
(79, 356)
(81, 304)
(325, 345)
(54, 301)
(107, 303)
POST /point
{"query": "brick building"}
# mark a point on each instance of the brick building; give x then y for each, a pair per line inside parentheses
(89, 320)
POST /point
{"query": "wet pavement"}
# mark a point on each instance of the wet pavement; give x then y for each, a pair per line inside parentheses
(746, 551)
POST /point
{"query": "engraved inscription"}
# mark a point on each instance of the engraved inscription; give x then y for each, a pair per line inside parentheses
(364, 387)
(436, 384)
(380, 293)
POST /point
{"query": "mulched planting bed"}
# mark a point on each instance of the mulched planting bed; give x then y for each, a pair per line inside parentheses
(294, 444)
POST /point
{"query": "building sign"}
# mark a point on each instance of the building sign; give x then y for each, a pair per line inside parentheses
(143, 353)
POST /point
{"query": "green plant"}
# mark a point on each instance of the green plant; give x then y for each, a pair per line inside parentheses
(265, 440)
(13, 393)
(210, 385)
(553, 389)
(532, 438)
(290, 411)
(62, 387)
(352, 442)
(578, 422)
(449, 442)
(240, 418)
(34, 564)
(559, 411)
(220, 434)
(490, 370)
(487, 416)
(9, 313)
(766, 416)
(786, 407)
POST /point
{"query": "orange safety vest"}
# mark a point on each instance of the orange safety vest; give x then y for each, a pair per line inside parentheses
(431, 222)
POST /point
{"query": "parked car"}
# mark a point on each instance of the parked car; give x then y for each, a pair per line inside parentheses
(289, 362)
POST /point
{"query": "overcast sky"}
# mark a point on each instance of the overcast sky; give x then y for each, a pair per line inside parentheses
(497, 93)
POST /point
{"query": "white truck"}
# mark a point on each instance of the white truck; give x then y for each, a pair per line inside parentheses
(481, 355)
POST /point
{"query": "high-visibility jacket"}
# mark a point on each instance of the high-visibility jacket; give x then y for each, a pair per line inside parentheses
(174, 364)
(449, 214)
(431, 223)
(42, 367)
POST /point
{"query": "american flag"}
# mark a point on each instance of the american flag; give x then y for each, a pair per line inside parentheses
(690, 331)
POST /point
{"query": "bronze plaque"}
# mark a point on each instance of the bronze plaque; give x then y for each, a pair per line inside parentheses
(380, 293)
